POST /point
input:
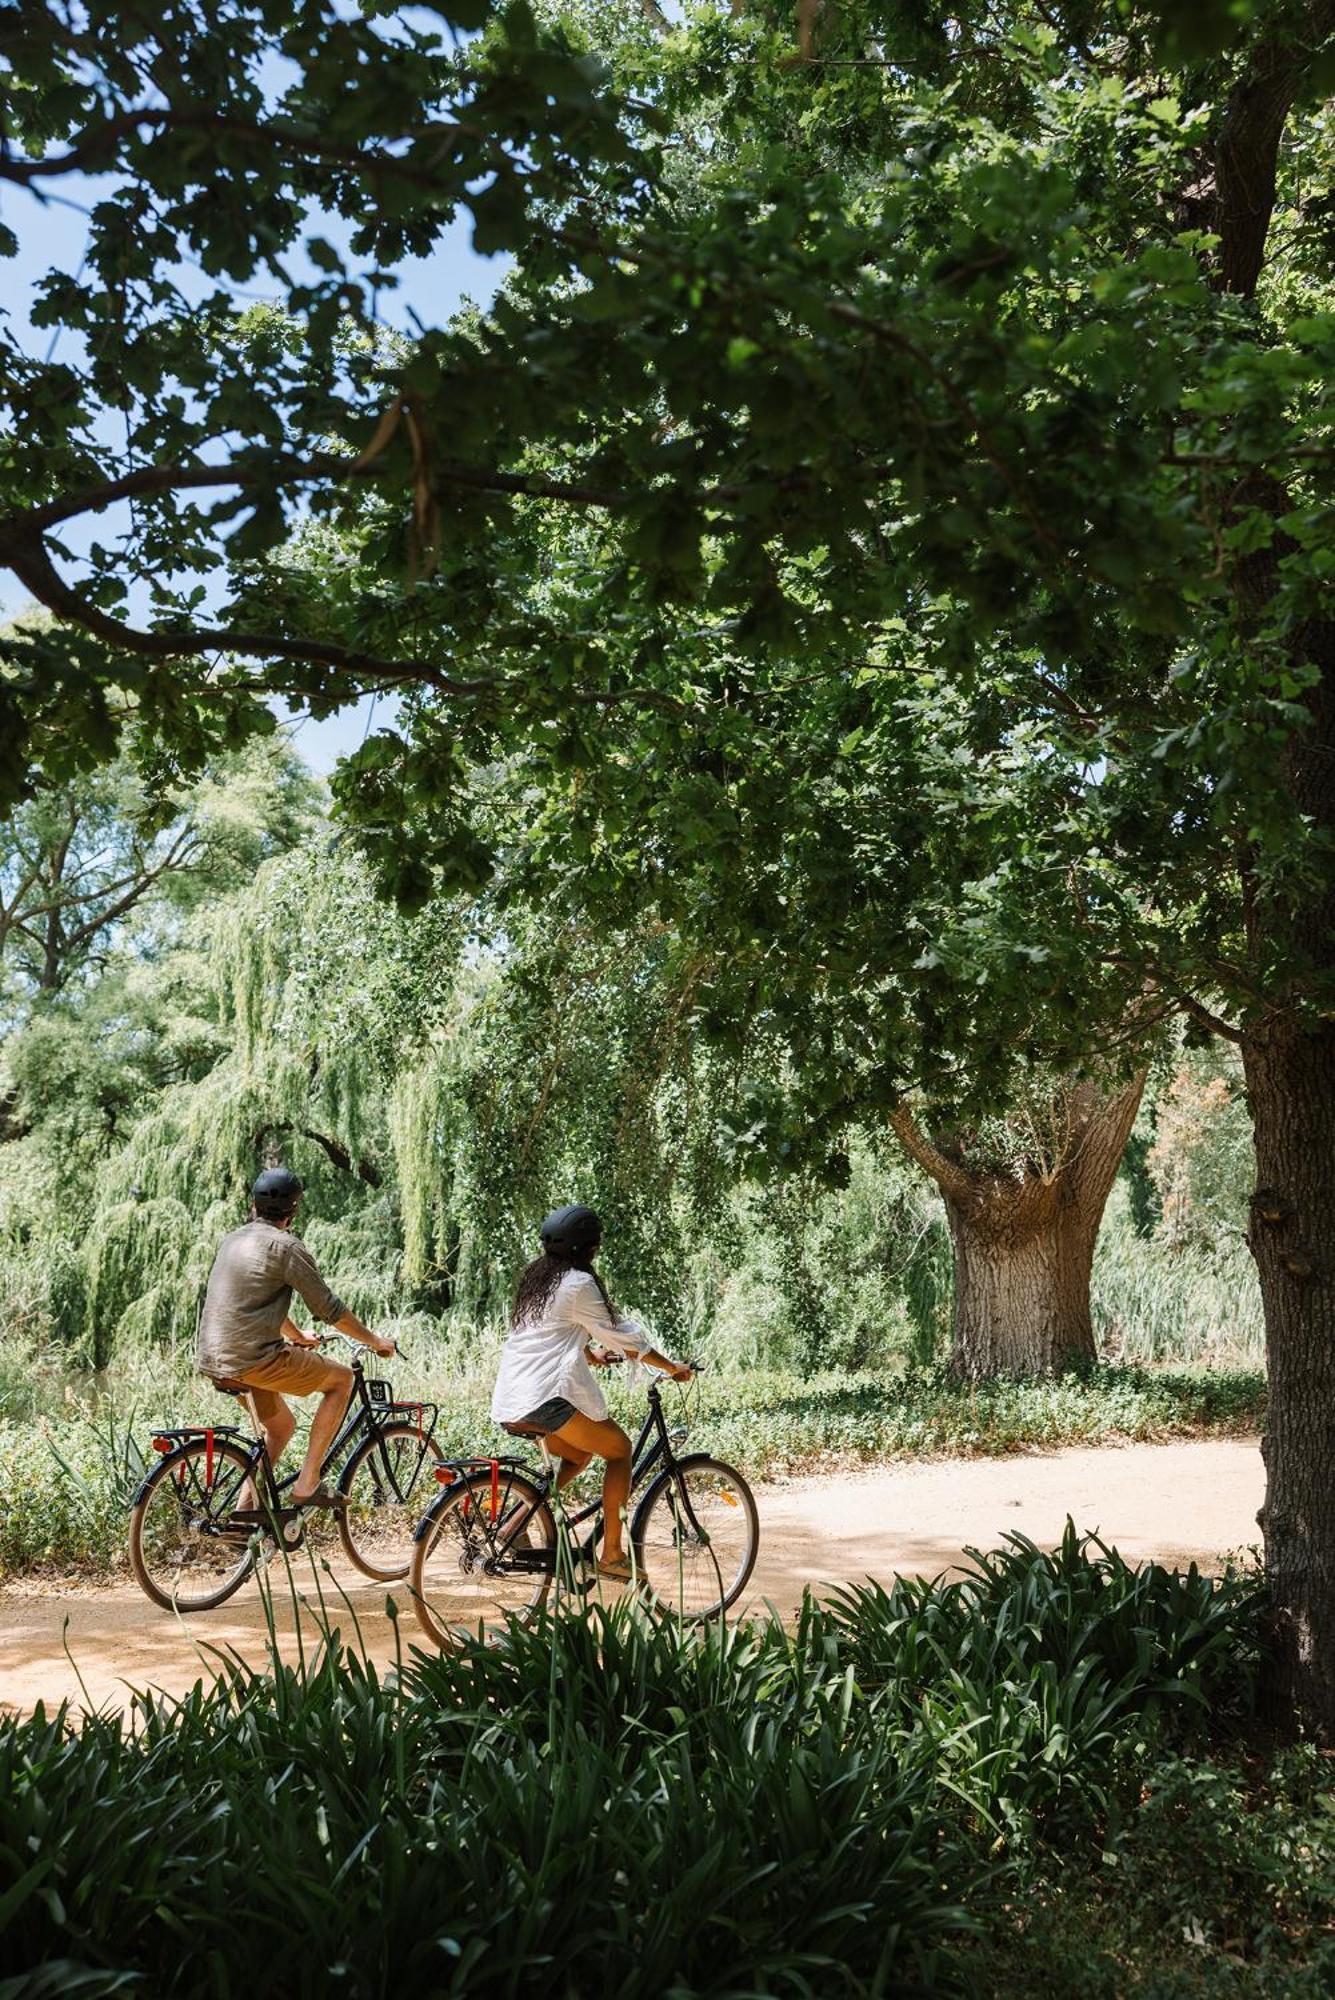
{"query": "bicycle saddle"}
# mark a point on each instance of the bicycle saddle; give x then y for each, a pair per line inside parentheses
(228, 1385)
(524, 1430)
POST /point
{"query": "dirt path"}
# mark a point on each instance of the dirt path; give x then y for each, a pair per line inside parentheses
(1175, 1503)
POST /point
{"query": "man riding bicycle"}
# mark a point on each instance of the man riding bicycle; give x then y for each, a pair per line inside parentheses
(248, 1341)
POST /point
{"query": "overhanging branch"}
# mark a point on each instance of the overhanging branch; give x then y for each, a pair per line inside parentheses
(32, 565)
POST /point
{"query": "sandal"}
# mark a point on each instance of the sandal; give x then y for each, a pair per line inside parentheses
(322, 1497)
(619, 1571)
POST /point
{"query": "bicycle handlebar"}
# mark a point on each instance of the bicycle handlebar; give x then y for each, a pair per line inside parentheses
(327, 1339)
(614, 1360)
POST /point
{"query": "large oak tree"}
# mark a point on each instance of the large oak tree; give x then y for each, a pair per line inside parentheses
(998, 476)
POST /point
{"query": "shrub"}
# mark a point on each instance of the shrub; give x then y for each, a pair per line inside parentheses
(608, 1803)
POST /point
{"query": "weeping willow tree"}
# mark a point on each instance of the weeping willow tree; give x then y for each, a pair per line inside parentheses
(439, 1083)
(311, 983)
(569, 1072)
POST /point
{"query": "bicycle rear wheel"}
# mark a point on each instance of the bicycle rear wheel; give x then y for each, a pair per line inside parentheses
(389, 1483)
(694, 1536)
(485, 1555)
(179, 1557)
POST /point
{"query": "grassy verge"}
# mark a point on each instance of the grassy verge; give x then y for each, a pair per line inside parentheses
(607, 1804)
(68, 1467)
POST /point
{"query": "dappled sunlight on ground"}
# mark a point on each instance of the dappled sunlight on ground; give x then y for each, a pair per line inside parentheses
(1172, 1503)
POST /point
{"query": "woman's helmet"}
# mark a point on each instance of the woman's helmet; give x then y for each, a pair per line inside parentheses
(275, 1193)
(568, 1231)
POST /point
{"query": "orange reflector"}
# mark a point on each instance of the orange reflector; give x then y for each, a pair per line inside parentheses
(444, 1474)
(729, 1499)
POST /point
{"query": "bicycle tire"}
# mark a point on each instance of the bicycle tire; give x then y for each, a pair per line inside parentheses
(455, 1595)
(696, 1578)
(365, 1528)
(219, 1567)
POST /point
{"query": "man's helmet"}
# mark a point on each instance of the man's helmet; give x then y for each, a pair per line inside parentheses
(275, 1193)
(568, 1231)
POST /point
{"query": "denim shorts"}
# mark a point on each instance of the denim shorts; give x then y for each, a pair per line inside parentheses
(549, 1416)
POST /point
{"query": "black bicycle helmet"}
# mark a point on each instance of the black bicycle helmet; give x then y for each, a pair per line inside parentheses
(275, 1193)
(568, 1231)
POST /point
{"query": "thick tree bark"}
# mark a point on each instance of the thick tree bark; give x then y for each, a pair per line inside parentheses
(1288, 1048)
(1291, 1086)
(1024, 1239)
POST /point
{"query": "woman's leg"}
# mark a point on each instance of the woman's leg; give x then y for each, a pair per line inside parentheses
(573, 1461)
(605, 1440)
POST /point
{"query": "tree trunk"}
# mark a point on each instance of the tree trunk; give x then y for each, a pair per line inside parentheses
(1021, 1283)
(1290, 1071)
(1291, 1085)
(1024, 1237)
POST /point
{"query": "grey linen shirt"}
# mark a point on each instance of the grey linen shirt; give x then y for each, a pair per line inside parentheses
(254, 1275)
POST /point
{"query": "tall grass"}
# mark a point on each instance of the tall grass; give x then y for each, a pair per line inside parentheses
(1160, 1301)
(607, 1804)
(72, 1448)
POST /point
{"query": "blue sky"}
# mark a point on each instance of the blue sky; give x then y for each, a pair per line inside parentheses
(52, 234)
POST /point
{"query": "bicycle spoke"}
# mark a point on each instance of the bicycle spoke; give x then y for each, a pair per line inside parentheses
(695, 1542)
(488, 1555)
(178, 1548)
(388, 1486)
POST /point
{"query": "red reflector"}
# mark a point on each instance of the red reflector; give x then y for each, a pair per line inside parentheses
(444, 1474)
(162, 1444)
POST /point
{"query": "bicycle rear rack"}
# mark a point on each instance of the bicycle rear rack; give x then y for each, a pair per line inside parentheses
(165, 1441)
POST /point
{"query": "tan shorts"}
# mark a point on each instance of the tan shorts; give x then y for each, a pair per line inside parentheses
(293, 1371)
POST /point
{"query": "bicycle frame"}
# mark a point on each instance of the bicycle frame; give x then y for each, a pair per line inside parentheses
(643, 1463)
(362, 1419)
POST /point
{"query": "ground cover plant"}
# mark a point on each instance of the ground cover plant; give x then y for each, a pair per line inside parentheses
(71, 1454)
(610, 1804)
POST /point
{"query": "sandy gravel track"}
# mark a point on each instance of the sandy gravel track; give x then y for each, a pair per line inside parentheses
(1175, 1503)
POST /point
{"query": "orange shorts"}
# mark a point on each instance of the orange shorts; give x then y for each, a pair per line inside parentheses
(294, 1371)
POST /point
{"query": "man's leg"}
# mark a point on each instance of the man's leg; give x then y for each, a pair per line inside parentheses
(277, 1424)
(324, 1428)
(608, 1441)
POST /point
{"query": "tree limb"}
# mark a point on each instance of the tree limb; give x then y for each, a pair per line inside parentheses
(92, 152)
(1247, 149)
(954, 1182)
(339, 1156)
(37, 573)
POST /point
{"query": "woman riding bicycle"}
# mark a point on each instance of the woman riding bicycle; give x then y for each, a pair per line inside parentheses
(546, 1387)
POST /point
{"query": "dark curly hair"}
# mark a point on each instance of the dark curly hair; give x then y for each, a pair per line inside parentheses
(538, 1283)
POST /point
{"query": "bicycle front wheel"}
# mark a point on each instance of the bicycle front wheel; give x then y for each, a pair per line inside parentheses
(389, 1482)
(486, 1554)
(695, 1537)
(180, 1557)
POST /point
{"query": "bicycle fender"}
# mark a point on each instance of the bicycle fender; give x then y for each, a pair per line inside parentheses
(429, 1517)
(463, 1471)
(167, 1458)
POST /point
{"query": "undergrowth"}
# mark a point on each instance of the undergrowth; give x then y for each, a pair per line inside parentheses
(607, 1804)
(71, 1451)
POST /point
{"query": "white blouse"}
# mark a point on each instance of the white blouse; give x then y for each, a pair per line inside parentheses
(546, 1358)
